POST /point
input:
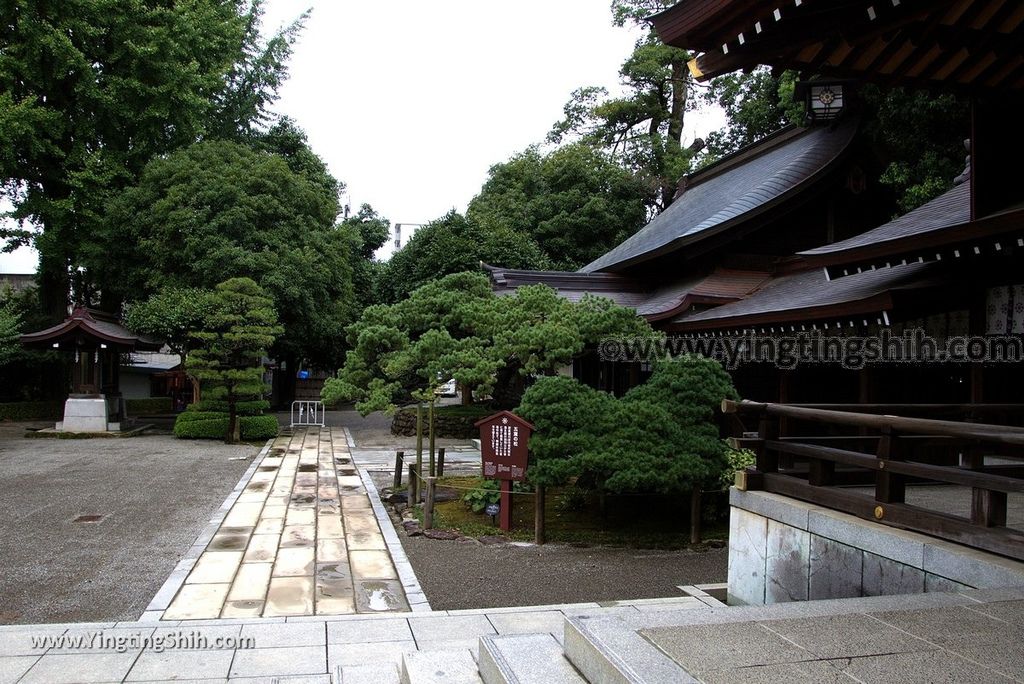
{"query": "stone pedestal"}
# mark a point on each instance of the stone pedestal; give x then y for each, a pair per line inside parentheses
(84, 414)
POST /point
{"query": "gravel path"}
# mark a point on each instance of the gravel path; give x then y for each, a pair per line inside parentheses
(467, 574)
(155, 493)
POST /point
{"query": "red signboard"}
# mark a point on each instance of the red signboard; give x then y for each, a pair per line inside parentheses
(504, 439)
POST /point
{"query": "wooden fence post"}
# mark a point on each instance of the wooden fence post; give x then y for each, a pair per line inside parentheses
(695, 511)
(538, 515)
(430, 427)
(399, 462)
(428, 509)
(440, 462)
(412, 488)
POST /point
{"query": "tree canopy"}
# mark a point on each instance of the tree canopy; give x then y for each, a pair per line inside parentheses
(756, 104)
(453, 244)
(456, 327)
(91, 91)
(659, 438)
(642, 128)
(574, 202)
(221, 209)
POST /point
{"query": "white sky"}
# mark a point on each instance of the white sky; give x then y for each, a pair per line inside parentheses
(411, 101)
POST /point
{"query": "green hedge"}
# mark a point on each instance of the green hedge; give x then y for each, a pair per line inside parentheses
(32, 410)
(214, 425)
(244, 408)
(141, 407)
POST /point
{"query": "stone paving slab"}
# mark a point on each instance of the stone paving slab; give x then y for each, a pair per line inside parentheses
(911, 638)
(285, 547)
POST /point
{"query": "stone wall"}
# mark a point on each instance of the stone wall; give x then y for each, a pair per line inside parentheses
(781, 549)
(454, 427)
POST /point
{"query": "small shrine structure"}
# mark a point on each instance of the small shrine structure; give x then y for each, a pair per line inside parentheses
(96, 340)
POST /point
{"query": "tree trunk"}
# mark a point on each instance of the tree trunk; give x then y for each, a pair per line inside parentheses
(675, 125)
(54, 288)
(234, 435)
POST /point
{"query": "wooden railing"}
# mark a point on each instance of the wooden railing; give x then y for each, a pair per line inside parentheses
(887, 450)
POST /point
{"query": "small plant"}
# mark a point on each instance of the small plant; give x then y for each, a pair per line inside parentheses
(739, 459)
(489, 492)
(574, 498)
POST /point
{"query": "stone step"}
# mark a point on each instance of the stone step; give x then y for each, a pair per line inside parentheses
(369, 673)
(525, 659)
(456, 666)
(607, 650)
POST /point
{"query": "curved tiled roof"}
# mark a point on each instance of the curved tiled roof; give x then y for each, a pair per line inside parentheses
(720, 286)
(734, 190)
(810, 295)
(93, 324)
(950, 209)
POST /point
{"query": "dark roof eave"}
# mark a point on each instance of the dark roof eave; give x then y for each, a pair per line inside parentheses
(67, 328)
(996, 224)
(872, 305)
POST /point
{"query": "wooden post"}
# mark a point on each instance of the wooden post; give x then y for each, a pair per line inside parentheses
(428, 509)
(988, 508)
(430, 427)
(419, 445)
(538, 515)
(695, 511)
(411, 486)
(889, 487)
(767, 461)
(505, 516)
(399, 462)
(440, 462)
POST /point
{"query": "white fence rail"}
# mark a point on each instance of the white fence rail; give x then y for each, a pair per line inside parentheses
(308, 413)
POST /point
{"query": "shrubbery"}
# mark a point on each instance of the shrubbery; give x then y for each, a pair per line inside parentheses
(137, 407)
(32, 410)
(214, 424)
(661, 437)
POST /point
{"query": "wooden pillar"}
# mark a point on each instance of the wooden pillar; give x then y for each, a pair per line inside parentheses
(695, 516)
(505, 516)
(889, 487)
(539, 536)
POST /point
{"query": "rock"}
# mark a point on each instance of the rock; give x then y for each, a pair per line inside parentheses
(441, 534)
(412, 528)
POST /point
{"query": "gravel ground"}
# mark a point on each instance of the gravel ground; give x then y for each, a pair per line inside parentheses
(467, 574)
(156, 494)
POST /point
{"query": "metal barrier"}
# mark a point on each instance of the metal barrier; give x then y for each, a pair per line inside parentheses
(309, 413)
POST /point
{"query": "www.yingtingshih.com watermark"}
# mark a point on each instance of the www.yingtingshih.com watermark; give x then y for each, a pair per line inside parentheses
(119, 642)
(789, 351)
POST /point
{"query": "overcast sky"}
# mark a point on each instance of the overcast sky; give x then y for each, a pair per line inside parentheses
(411, 101)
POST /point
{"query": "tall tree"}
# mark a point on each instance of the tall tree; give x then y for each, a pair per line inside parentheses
(221, 209)
(453, 244)
(575, 202)
(367, 231)
(756, 104)
(91, 90)
(643, 128)
(238, 331)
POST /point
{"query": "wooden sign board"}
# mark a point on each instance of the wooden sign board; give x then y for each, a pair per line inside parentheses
(504, 446)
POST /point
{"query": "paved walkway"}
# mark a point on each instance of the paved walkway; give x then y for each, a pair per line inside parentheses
(300, 538)
(307, 648)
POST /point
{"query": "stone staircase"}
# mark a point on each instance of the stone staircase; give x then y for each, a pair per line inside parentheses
(585, 656)
(882, 638)
(588, 648)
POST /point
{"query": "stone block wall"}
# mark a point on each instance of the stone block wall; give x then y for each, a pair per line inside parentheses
(781, 549)
(454, 427)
